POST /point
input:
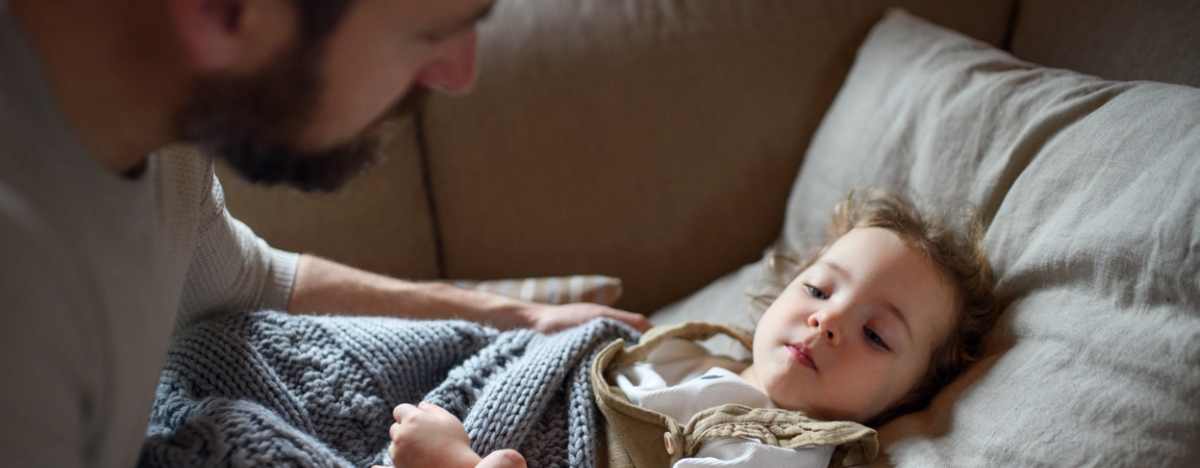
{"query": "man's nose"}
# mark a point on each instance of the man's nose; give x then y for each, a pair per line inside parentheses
(452, 68)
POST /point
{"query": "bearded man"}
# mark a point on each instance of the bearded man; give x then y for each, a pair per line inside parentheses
(106, 246)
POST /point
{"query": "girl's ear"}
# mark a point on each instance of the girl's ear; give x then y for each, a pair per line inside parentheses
(234, 36)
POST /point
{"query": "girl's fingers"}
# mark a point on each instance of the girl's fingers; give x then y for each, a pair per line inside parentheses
(401, 411)
(506, 458)
(434, 409)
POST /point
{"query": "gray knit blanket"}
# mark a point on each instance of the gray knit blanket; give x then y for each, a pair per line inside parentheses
(271, 389)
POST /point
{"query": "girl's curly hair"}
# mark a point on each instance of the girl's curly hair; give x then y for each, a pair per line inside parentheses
(956, 248)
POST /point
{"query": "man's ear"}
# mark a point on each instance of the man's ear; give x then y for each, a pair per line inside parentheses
(233, 36)
(210, 32)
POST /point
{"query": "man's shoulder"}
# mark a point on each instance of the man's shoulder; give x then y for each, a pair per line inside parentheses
(22, 225)
(186, 178)
(37, 274)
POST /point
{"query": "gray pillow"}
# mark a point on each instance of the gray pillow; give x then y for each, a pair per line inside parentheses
(1091, 189)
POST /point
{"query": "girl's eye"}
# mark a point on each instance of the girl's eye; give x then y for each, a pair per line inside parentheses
(875, 339)
(814, 292)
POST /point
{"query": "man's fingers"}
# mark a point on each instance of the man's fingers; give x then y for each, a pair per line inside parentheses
(570, 315)
(637, 321)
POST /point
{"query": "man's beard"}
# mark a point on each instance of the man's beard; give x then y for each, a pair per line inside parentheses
(252, 122)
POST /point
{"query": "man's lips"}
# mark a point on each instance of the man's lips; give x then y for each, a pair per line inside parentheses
(802, 355)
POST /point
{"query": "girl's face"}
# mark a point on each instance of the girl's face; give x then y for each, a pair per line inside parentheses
(855, 331)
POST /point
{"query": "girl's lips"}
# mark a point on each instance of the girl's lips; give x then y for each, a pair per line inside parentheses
(802, 355)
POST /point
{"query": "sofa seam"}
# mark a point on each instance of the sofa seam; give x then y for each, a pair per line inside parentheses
(427, 185)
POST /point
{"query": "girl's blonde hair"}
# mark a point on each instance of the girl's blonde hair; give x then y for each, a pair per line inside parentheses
(956, 248)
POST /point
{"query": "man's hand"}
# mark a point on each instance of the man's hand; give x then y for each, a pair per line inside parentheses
(550, 318)
(325, 287)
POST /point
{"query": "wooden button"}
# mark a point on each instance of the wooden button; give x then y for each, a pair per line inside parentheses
(669, 442)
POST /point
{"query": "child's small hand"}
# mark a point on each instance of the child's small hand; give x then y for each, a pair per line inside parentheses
(428, 436)
(506, 458)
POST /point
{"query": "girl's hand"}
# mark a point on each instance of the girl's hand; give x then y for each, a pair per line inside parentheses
(506, 458)
(428, 436)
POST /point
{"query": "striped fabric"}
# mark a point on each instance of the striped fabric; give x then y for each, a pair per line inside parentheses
(596, 289)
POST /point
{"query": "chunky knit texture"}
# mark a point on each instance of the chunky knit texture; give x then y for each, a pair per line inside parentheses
(274, 389)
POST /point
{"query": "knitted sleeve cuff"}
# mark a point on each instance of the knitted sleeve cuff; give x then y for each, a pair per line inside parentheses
(281, 276)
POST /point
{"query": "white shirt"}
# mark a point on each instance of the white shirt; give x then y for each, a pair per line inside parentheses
(680, 378)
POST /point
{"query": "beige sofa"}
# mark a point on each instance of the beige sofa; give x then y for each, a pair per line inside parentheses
(669, 142)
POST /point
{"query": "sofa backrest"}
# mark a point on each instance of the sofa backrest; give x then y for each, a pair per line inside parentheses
(653, 140)
(1157, 40)
(380, 221)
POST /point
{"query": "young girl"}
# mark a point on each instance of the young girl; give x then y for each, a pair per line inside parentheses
(890, 309)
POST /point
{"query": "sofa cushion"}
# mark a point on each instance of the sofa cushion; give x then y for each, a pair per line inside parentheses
(597, 289)
(1090, 187)
(652, 140)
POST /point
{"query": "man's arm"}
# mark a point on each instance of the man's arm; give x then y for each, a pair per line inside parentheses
(233, 269)
(325, 287)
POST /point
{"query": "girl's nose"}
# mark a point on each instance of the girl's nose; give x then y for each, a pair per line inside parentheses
(828, 324)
